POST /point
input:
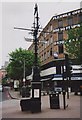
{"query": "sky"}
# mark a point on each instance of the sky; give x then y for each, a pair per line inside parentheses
(19, 13)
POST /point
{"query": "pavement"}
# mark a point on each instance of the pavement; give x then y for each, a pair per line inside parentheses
(14, 94)
(11, 108)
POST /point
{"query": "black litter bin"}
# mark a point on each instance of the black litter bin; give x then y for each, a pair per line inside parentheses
(35, 105)
(54, 101)
(25, 104)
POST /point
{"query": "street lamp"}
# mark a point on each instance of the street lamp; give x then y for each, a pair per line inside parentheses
(56, 55)
(24, 73)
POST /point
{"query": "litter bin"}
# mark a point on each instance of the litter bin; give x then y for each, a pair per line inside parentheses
(35, 105)
(54, 101)
(25, 104)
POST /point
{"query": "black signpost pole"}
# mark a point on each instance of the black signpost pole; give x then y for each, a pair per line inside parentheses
(34, 104)
(36, 84)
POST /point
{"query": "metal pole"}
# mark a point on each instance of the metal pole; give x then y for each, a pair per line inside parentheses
(64, 102)
(67, 73)
(36, 83)
(36, 27)
(67, 88)
(24, 74)
(24, 68)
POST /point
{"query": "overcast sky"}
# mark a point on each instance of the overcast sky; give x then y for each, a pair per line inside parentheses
(20, 14)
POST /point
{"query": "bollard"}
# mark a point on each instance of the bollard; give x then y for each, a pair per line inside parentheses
(64, 102)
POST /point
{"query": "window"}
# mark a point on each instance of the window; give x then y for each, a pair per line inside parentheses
(48, 54)
(45, 56)
(51, 27)
(80, 17)
(58, 69)
(44, 35)
(47, 30)
(51, 52)
(47, 42)
(60, 36)
(60, 23)
(60, 48)
(51, 39)
(42, 58)
(44, 45)
(70, 21)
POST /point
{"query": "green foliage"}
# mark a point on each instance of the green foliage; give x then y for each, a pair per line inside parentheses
(74, 42)
(4, 80)
(15, 68)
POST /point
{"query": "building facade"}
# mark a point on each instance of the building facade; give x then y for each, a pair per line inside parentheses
(3, 71)
(2, 74)
(55, 34)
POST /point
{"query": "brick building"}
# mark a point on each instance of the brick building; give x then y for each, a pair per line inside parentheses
(3, 71)
(2, 74)
(55, 33)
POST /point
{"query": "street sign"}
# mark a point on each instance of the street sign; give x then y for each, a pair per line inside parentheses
(58, 89)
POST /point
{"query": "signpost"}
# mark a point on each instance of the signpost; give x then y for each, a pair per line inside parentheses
(35, 101)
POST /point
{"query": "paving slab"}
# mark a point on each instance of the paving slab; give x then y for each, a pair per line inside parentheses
(11, 109)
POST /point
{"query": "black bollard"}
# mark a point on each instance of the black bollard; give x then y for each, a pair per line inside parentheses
(64, 102)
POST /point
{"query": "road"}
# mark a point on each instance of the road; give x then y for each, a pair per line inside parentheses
(4, 95)
(0, 96)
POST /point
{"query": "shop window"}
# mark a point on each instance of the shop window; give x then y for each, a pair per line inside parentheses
(58, 69)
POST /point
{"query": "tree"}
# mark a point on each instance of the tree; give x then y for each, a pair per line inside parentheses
(4, 80)
(15, 69)
(74, 42)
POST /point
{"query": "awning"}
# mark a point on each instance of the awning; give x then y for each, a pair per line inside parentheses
(45, 79)
(57, 79)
